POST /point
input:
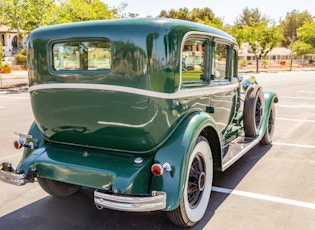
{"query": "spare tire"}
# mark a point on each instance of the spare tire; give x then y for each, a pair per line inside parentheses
(254, 106)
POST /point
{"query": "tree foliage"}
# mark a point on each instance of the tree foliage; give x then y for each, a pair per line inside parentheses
(27, 15)
(251, 27)
(258, 32)
(249, 17)
(306, 33)
(204, 16)
(291, 23)
(1, 53)
(82, 10)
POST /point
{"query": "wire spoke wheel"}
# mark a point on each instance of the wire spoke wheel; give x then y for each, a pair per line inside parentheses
(196, 182)
(196, 194)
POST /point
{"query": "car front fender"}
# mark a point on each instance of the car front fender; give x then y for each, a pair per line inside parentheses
(270, 97)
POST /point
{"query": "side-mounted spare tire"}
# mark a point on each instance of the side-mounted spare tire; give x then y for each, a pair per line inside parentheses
(254, 106)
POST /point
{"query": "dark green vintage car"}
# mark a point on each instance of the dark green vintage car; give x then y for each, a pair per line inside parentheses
(140, 110)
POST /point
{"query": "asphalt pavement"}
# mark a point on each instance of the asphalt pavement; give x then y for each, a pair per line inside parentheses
(270, 187)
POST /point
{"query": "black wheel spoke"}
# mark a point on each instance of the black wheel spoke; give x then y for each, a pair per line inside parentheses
(193, 190)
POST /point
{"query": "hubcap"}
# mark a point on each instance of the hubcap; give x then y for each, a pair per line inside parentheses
(196, 181)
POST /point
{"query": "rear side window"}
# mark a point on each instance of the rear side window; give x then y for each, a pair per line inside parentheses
(82, 55)
(193, 57)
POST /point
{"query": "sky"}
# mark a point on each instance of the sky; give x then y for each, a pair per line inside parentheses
(228, 10)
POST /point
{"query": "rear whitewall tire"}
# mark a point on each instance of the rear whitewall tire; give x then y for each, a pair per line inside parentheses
(198, 185)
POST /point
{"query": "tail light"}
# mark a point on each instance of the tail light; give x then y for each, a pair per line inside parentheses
(158, 169)
(19, 143)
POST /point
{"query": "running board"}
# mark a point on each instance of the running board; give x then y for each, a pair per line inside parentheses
(237, 149)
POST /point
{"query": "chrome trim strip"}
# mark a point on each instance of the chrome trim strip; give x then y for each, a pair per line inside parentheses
(178, 94)
(157, 201)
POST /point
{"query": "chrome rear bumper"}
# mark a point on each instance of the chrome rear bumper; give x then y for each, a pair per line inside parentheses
(141, 203)
(8, 175)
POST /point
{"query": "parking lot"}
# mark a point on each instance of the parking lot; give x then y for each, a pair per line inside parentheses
(271, 187)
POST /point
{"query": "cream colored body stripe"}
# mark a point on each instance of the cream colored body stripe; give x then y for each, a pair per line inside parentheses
(178, 94)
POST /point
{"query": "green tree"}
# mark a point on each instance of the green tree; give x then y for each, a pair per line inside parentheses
(203, 16)
(306, 33)
(182, 13)
(299, 48)
(1, 53)
(249, 17)
(24, 15)
(13, 16)
(261, 38)
(258, 32)
(83, 10)
(291, 23)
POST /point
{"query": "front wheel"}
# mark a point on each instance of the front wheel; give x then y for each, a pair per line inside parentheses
(57, 188)
(198, 185)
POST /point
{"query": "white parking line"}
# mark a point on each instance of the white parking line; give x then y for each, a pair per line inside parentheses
(264, 197)
(290, 119)
(306, 92)
(303, 98)
(8, 97)
(294, 145)
(297, 106)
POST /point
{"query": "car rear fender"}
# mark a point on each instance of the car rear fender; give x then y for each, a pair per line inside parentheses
(176, 151)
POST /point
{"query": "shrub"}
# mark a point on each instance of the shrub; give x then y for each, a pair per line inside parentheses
(242, 63)
(6, 68)
(264, 63)
(1, 53)
(21, 58)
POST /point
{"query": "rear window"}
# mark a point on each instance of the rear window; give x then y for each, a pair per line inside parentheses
(82, 55)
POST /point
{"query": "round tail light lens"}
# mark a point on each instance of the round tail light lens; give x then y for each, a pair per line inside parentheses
(157, 169)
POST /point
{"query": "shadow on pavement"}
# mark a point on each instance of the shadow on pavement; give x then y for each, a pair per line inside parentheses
(79, 212)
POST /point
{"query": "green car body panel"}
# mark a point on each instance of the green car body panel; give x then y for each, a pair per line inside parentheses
(105, 127)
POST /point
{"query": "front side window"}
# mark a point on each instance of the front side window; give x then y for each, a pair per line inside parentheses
(82, 55)
(220, 61)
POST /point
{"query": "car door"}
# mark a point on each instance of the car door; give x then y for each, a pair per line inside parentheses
(223, 100)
